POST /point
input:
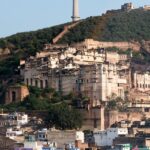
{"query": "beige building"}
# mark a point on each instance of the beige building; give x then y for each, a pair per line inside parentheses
(142, 81)
(63, 138)
(83, 68)
(16, 94)
(100, 82)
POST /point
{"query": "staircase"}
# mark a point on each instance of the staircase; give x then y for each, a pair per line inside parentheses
(65, 31)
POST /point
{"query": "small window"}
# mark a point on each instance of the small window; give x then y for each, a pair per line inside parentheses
(41, 84)
(146, 109)
(27, 81)
(36, 83)
(145, 85)
(13, 96)
(45, 59)
(46, 83)
(31, 82)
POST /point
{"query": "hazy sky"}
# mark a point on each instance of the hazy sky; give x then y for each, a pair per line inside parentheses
(27, 15)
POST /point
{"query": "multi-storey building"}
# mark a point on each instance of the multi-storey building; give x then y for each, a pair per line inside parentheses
(92, 72)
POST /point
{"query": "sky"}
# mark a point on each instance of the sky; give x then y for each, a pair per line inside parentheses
(30, 15)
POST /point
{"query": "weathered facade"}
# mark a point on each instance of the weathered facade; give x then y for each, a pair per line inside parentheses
(86, 68)
(142, 81)
(16, 94)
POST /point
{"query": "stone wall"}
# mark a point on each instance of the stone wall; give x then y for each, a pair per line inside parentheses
(90, 43)
(114, 116)
(93, 118)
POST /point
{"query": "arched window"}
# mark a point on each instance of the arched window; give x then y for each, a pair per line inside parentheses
(36, 83)
(145, 85)
(46, 84)
(13, 96)
(31, 82)
(41, 84)
(140, 85)
(27, 81)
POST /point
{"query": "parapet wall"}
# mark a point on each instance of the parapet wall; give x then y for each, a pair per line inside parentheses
(90, 43)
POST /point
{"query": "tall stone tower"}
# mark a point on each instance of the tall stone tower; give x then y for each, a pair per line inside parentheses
(75, 15)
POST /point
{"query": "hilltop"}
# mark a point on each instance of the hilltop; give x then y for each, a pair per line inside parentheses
(112, 26)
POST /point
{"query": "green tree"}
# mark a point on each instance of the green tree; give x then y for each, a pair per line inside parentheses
(63, 117)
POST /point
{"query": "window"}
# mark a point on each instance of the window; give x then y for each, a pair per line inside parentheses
(36, 83)
(140, 85)
(13, 96)
(46, 84)
(146, 109)
(41, 84)
(45, 59)
(27, 81)
(31, 82)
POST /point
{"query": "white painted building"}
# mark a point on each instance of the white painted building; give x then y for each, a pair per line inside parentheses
(33, 145)
(19, 118)
(105, 138)
(142, 81)
(22, 119)
(79, 136)
(12, 133)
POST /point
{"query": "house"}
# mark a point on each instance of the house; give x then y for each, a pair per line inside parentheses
(18, 118)
(42, 135)
(61, 138)
(13, 132)
(105, 138)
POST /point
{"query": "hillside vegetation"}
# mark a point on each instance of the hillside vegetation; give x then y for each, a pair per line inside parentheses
(112, 26)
